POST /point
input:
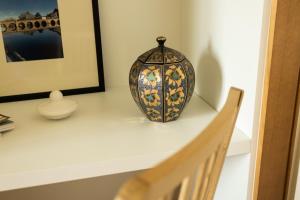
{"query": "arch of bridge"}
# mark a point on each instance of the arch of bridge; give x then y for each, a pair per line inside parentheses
(29, 25)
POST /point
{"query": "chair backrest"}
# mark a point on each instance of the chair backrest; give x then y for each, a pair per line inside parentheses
(194, 171)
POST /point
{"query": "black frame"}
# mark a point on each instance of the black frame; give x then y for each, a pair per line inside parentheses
(100, 88)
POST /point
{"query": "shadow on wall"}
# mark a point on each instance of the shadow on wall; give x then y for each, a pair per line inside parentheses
(99, 188)
(209, 78)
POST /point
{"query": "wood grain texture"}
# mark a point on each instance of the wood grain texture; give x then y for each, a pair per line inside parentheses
(294, 155)
(194, 171)
(279, 101)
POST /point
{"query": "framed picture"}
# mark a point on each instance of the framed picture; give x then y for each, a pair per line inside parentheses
(49, 45)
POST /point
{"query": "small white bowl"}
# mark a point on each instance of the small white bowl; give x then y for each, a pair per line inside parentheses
(57, 107)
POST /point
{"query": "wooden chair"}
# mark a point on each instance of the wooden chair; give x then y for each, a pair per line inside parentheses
(194, 171)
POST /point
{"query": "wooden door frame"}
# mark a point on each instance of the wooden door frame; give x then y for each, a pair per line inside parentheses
(279, 103)
(294, 156)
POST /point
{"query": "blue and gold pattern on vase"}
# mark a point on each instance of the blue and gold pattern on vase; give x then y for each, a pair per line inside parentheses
(162, 82)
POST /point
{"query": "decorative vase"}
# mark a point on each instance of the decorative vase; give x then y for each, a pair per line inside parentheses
(162, 82)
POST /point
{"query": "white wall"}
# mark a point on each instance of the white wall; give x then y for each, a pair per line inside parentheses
(234, 179)
(129, 28)
(222, 40)
(101, 188)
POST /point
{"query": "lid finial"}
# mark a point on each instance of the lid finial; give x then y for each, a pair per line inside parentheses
(161, 40)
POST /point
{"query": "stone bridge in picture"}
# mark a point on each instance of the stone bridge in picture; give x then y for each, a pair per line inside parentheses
(13, 26)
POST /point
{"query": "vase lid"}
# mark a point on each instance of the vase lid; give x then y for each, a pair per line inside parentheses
(161, 54)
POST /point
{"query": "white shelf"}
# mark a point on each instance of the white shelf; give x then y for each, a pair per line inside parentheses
(107, 135)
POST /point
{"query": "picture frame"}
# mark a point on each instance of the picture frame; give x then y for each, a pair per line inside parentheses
(83, 39)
